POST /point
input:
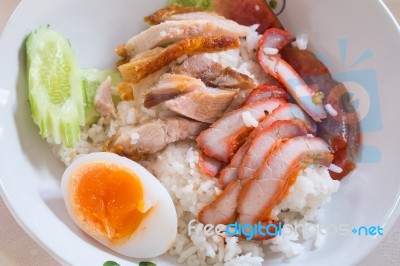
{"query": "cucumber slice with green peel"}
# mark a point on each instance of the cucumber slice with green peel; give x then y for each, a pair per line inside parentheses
(91, 80)
(55, 86)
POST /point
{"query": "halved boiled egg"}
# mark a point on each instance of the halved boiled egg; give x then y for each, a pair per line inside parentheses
(120, 204)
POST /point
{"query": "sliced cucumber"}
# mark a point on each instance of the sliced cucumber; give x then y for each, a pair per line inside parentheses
(91, 80)
(55, 86)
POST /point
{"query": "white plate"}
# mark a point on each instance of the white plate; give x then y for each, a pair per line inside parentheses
(30, 176)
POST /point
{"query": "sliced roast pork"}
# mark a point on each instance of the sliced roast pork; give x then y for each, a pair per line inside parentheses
(264, 142)
(292, 112)
(170, 86)
(210, 166)
(223, 209)
(203, 104)
(227, 134)
(259, 150)
(200, 15)
(342, 127)
(178, 13)
(163, 14)
(231, 171)
(287, 111)
(265, 91)
(277, 174)
(278, 68)
(213, 74)
(138, 142)
(137, 69)
(174, 31)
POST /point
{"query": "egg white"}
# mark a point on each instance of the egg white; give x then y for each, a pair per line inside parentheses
(156, 232)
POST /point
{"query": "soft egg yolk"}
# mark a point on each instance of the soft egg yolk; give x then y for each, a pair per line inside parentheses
(108, 200)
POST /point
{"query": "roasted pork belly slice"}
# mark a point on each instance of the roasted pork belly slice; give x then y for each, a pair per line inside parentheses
(209, 166)
(278, 173)
(138, 142)
(207, 16)
(227, 134)
(137, 69)
(103, 99)
(170, 86)
(264, 142)
(164, 13)
(223, 209)
(179, 12)
(213, 74)
(173, 31)
(203, 104)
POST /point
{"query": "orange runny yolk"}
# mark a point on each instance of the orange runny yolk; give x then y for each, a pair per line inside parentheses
(107, 200)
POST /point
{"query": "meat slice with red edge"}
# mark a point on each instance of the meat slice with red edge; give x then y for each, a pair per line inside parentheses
(248, 12)
(210, 166)
(227, 134)
(265, 91)
(278, 173)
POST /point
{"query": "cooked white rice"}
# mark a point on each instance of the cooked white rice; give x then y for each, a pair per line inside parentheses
(177, 169)
(249, 120)
(329, 108)
(301, 41)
